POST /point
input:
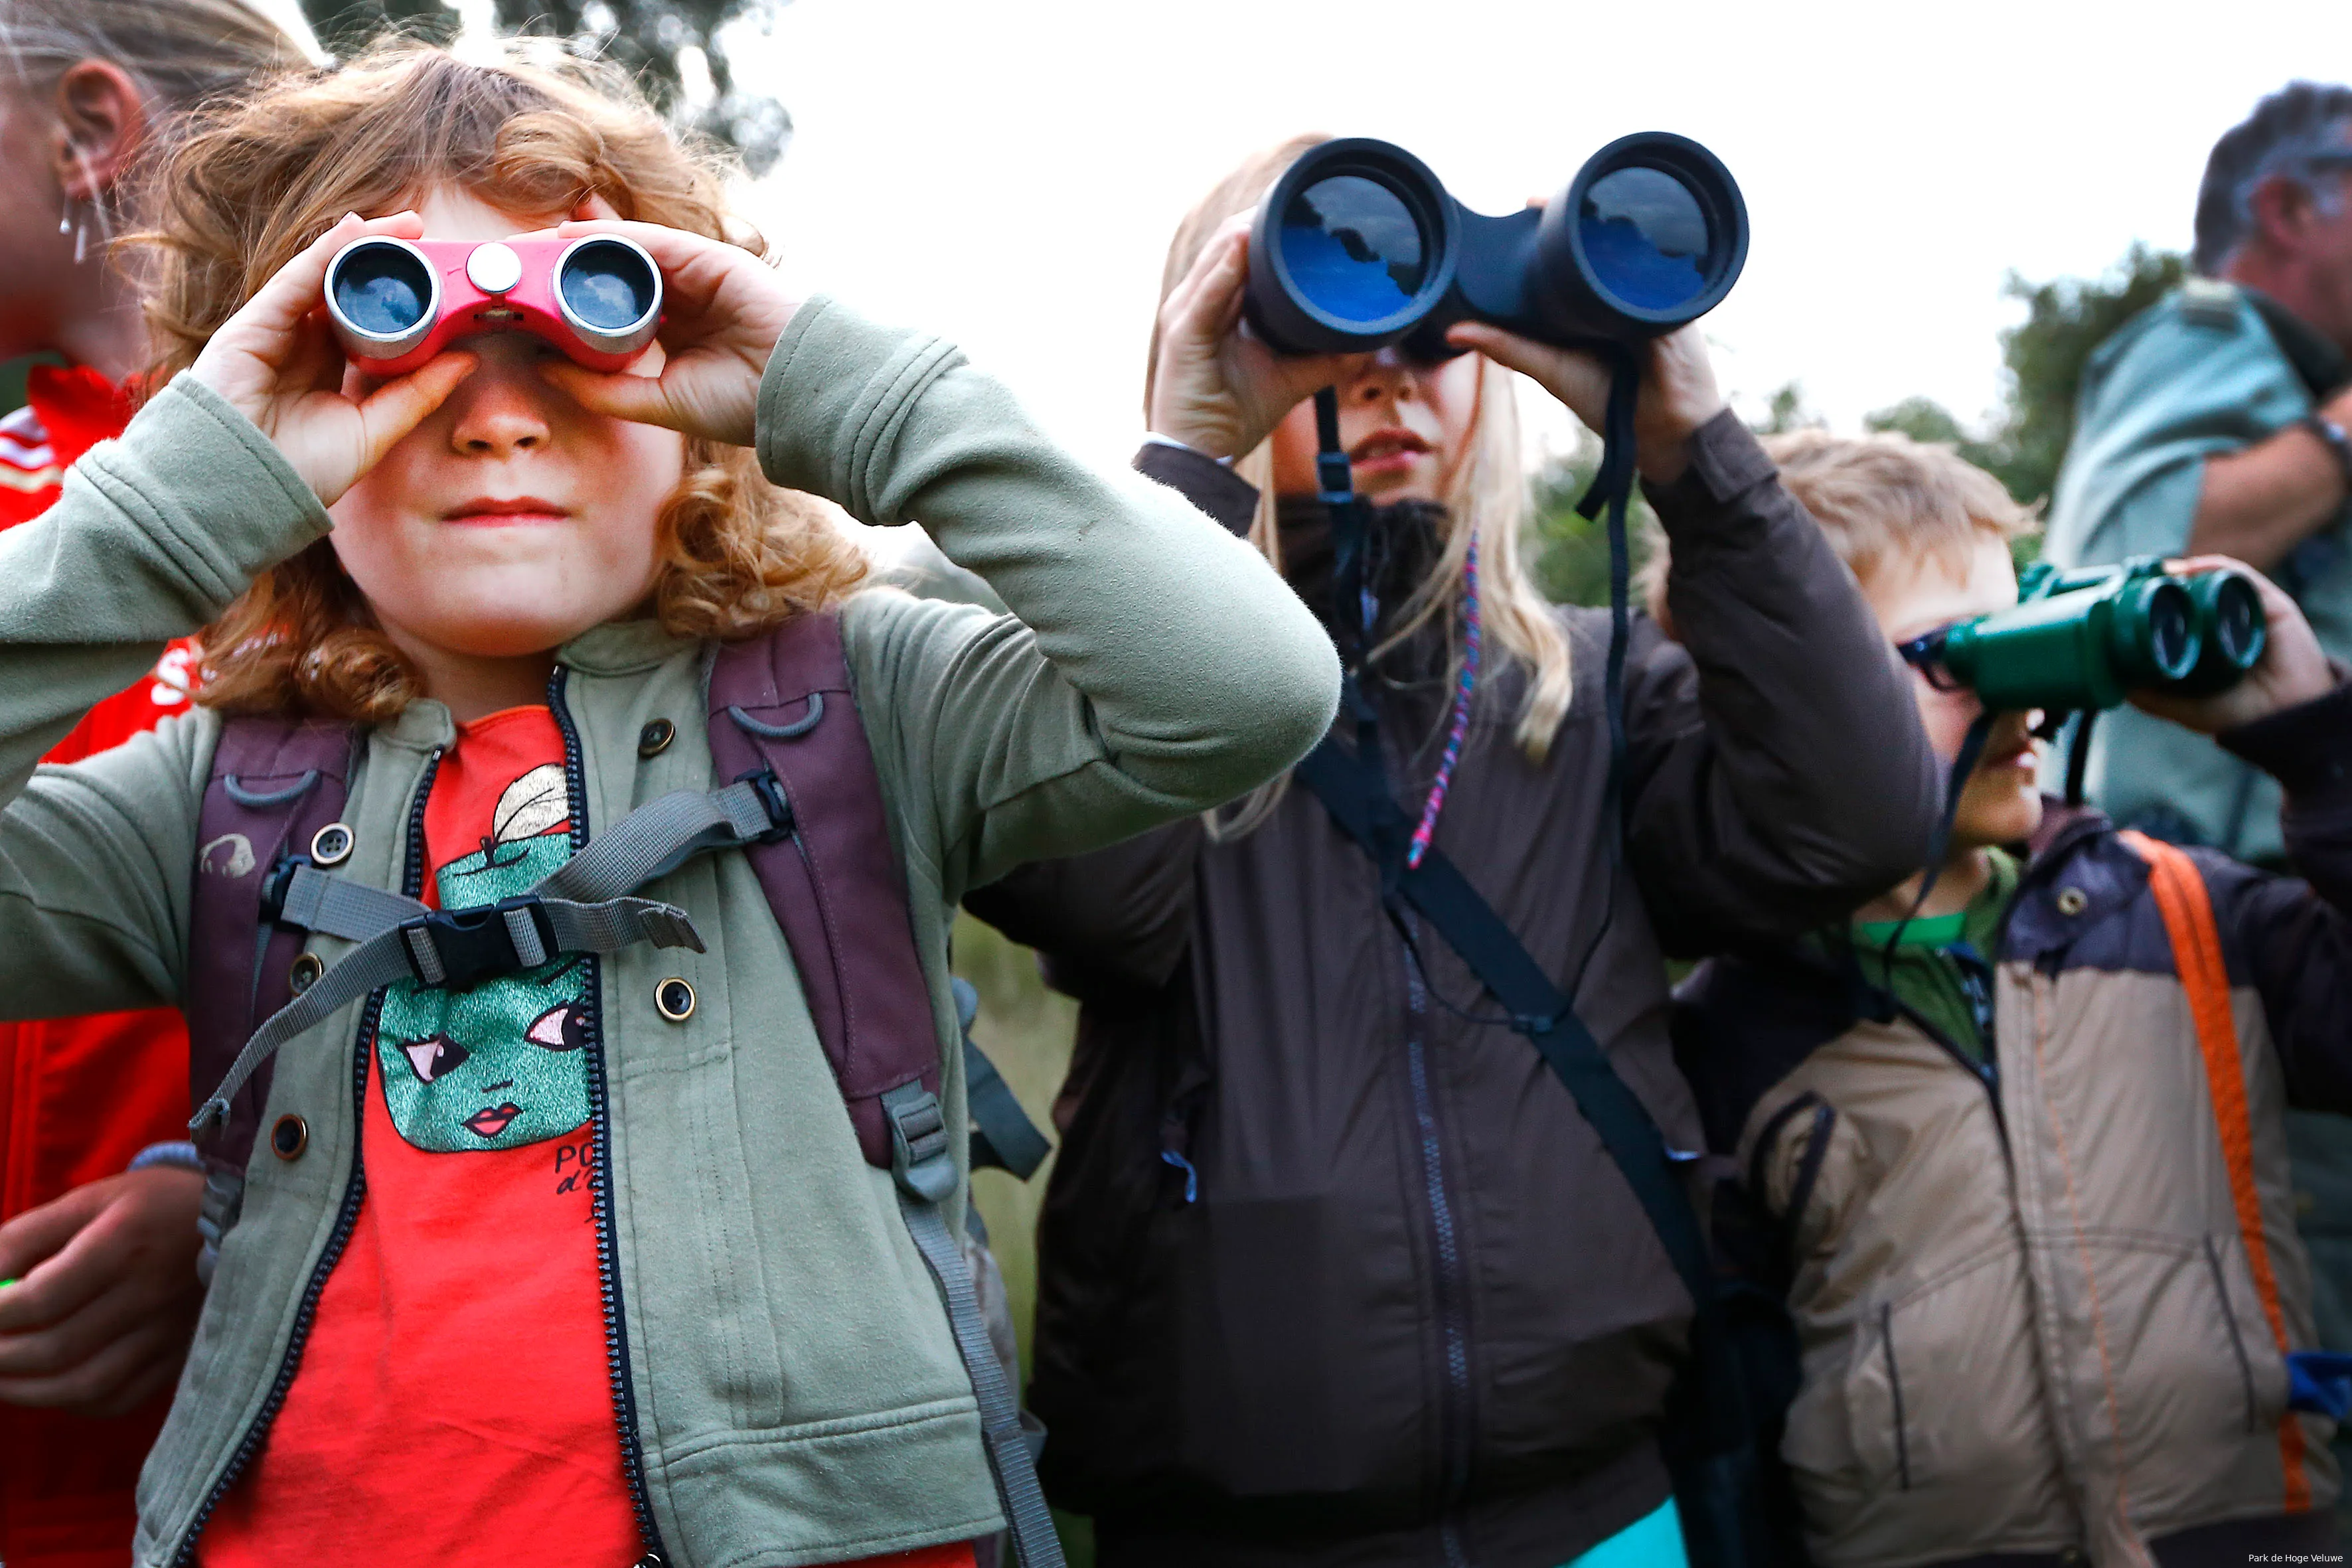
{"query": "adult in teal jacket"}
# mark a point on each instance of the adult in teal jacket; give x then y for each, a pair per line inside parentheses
(2213, 423)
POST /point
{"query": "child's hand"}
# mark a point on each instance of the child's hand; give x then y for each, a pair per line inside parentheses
(1678, 393)
(2292, 670)
(277, 363)
(109, 1296)
(722, 311)
(1216, 388)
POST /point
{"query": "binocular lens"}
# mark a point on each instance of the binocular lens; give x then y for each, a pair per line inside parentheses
(1354, 248)
(607, 286)
(1645, 237)
(2238, 622)
(2172, 630)
(382, 290)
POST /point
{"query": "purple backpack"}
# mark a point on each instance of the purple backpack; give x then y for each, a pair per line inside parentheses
(782, 719)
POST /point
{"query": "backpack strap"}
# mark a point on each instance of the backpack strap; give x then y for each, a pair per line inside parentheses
(782, 719)
(2187, 906)
(1709, 1434)
(276, 785)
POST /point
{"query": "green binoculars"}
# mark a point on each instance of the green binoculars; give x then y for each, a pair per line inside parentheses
(2080, 641)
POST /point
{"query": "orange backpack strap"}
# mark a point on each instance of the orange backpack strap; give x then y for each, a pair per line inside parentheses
(2187, 906)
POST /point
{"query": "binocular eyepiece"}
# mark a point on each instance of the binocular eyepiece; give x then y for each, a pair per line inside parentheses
(2080, 641)
(396, 303)
(1359, 246)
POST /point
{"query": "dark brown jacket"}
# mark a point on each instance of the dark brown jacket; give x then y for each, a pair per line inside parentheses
(1332, 1273)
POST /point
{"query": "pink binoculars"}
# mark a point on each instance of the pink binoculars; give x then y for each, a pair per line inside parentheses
(396, 303)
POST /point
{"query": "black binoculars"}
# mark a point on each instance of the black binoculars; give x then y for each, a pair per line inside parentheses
(2080, 640)
(1359, 246)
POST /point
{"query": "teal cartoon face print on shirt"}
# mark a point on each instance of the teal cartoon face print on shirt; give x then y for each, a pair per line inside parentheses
(502, 1064)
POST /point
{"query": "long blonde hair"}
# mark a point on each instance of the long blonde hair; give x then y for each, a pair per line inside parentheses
(1487, 499)
(260, 176)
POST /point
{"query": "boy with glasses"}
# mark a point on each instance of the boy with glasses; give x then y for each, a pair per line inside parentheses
(2014, 1149)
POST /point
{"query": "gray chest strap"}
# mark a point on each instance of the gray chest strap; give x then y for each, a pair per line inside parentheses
(584, 906)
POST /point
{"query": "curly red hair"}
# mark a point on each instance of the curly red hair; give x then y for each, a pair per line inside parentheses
(536, 132)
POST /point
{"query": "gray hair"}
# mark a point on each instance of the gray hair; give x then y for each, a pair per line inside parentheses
(2296, 134)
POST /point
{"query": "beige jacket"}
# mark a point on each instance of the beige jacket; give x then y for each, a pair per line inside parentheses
(2045, 1304)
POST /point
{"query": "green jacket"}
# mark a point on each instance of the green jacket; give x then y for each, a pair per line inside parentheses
(797, 1392)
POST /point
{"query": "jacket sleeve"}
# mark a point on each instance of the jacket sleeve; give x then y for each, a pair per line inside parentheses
(2294, 934)
(151, 538)
(1122, 916)
(1777, 776)
(1157, 666)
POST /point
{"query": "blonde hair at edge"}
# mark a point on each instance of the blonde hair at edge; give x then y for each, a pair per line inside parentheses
(180, 52)
(1878, 497)
(1487, 499)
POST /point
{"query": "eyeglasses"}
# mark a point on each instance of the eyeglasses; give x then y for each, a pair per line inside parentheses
(1924, 653)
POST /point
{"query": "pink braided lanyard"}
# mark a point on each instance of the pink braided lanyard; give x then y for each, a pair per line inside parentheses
(1460, 728)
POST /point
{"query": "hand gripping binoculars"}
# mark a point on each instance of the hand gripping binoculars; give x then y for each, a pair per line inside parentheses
(396, 303)
(1358, 246)
(2080, 641)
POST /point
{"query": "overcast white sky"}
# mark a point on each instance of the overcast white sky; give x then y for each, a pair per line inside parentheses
(1008, 173)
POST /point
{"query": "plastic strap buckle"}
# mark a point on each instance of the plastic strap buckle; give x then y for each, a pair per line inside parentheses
(459, 948)
(277, 883)
(770, 792)
(920, 1157)
(1335, 479)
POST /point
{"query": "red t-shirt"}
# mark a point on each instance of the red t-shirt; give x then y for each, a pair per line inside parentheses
(78, 1097)
(454, 1402)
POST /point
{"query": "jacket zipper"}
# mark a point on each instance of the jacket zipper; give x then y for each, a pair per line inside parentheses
(1454, 1415)
(600, 1186)
(412, 881)
(1985, 1072)
(1988, 1072)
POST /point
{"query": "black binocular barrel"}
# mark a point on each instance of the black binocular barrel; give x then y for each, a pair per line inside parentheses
(1359, 246)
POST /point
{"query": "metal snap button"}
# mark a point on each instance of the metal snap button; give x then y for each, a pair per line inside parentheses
(290, 1137)
(655, 737)
(332, 845)
(2072, 900)
(304, 972)
(674, 999)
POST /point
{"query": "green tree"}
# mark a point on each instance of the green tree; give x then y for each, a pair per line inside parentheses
(2043, 359)
(648, 36)
(1568, 555)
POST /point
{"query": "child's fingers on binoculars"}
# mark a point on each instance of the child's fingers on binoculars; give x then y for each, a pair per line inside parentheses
(298, 287)
(617, 394)
(400, 404)
(1577, 379)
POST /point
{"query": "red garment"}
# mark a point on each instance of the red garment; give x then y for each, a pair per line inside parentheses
(454, 1402)
(78, 1097)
